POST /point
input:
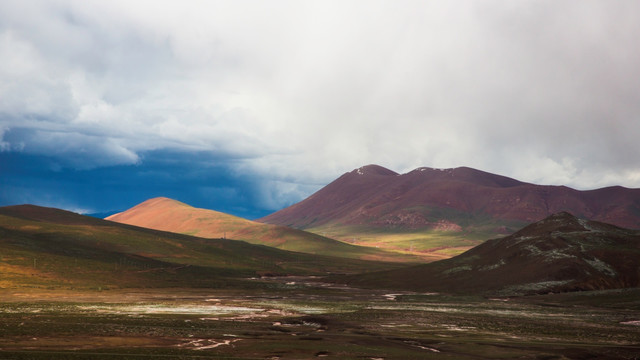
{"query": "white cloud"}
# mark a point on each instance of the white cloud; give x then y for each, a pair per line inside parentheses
(303, 91)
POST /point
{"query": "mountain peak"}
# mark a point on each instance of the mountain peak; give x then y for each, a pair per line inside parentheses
(157, 204)
(561, 222)
(162, 200)
(425, 197)
(561, 216)
(373, 169)
(426, 168)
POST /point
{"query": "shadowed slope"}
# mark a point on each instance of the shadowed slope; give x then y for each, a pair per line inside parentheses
(560, 253)
(45, 247)
(171, 215)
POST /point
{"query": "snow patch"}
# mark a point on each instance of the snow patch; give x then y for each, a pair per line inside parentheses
(448, 170)
(533, 250)
(549, 255)
(556, 254)
(586, 226)
(601, 266)
(520, 239)
(493, 266)
(539, 286)
(457, 269)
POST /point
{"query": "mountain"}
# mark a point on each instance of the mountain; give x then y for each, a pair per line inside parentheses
(377, 196)
(558, 254)
(53, 248)
(431, 209)
(174, 216)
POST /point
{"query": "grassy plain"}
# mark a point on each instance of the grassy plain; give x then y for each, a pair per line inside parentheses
(430, 245)
(460, 232)
(81, 288)
(294, 318)
(85, 253)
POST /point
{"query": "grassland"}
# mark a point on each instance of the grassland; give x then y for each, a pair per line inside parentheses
(80, 288)
(429, 242)
(79, 252)
(430, 245)
(292, 318)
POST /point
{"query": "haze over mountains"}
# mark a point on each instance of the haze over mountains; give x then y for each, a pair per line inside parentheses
(458, 199)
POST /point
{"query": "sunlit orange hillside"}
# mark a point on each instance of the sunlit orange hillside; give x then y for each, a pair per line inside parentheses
(174, 216)
(171, 215)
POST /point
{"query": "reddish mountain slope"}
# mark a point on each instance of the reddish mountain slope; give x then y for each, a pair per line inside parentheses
(459, 198)
(171, 215)
(560, 253)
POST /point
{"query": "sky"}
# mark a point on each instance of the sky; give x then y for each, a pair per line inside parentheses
(247, 107)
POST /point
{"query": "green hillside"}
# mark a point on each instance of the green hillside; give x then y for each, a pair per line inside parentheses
(43, 247)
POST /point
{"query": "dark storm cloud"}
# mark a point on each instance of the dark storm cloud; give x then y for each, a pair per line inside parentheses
(194, 178)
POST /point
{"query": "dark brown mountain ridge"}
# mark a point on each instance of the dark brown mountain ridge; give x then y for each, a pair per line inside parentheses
(557, 254)
(463, 197)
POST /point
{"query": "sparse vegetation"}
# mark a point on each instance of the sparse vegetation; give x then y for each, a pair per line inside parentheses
(88, 253)
(78, 288)
(309, 320)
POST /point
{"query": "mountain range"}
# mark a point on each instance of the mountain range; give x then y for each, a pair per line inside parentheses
(444, 211)
(52, 248)
(377, 196)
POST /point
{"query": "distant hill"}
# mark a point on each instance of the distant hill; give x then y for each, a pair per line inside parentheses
(434, 209)
(53, 248)
(558, 254)
(171, 215)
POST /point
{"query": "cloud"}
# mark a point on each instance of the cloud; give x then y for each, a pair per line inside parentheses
(297, 92)
(199, 179)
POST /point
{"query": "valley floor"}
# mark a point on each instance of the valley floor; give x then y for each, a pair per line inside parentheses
(296, 318)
